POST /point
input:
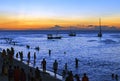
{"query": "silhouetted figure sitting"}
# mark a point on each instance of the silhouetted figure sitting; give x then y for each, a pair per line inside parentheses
(85, 78)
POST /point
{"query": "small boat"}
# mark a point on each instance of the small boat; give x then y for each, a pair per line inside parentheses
(72, 34)
(50, 36)
(100, 32)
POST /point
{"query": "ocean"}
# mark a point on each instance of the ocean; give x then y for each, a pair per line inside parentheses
(98, 57)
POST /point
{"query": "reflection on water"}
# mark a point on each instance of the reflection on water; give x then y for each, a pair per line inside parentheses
(99, 58)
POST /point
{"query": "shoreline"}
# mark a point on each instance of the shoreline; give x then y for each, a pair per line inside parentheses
(59, 77)
(46, 76)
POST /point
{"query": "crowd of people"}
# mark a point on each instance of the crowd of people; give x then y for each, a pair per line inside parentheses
(17, 73)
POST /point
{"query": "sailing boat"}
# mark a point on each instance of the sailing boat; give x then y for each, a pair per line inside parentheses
(72, 33)
(100, 32)
(51, 36)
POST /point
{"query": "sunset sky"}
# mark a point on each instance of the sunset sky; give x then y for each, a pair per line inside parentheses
(35, 14)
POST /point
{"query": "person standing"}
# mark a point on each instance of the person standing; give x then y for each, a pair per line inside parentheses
(29, 56)
(66, 66)
(49, 52)
(37, 75)
(22, 75)
(76, 62)
(34, 55)
(85, 78)
(17, 73)
(10, 73)
(44, 65)
(55, 67)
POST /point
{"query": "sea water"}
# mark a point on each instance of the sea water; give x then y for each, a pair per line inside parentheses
(98, 57)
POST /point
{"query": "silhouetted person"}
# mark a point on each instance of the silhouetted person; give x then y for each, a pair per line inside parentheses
(65, 66)
(69, 77)
(64, 52)
(34, 55)
(77, 77)
(27, 46)
(49, 52)
(63, 73)
(37, 75)
(4, 54)
(116, 77)
(22, 75)
(17, 74)
(37, 48)
(76, 62)
(30, 75)
(12, 51)
(10, 73)
(29, 56)
(85, 78)
(16, 55)
(55, 67)
(113, 76)
(21, 55)
(44, 65)
(3, 68)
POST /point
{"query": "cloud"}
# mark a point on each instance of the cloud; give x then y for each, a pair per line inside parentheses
(57, 27)
(89, 27)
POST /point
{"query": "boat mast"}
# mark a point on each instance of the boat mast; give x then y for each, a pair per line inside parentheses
(100, 24)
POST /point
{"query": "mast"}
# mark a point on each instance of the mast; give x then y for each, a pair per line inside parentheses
(100, 24)
(100, 32)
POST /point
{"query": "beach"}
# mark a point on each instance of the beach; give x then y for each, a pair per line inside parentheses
(45, 76)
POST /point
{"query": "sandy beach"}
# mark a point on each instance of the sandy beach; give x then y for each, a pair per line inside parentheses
(45, 76)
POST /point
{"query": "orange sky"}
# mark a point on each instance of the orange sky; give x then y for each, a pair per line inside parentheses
(40, 14)
(20, 22)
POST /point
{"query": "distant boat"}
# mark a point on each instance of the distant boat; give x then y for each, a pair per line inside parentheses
(72, 34)
(50, 36)
(100, 31)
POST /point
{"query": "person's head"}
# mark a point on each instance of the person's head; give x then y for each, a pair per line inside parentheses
(37, 68)
(43, 58)
(55, 60)
(84, 74)
(10, 66)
